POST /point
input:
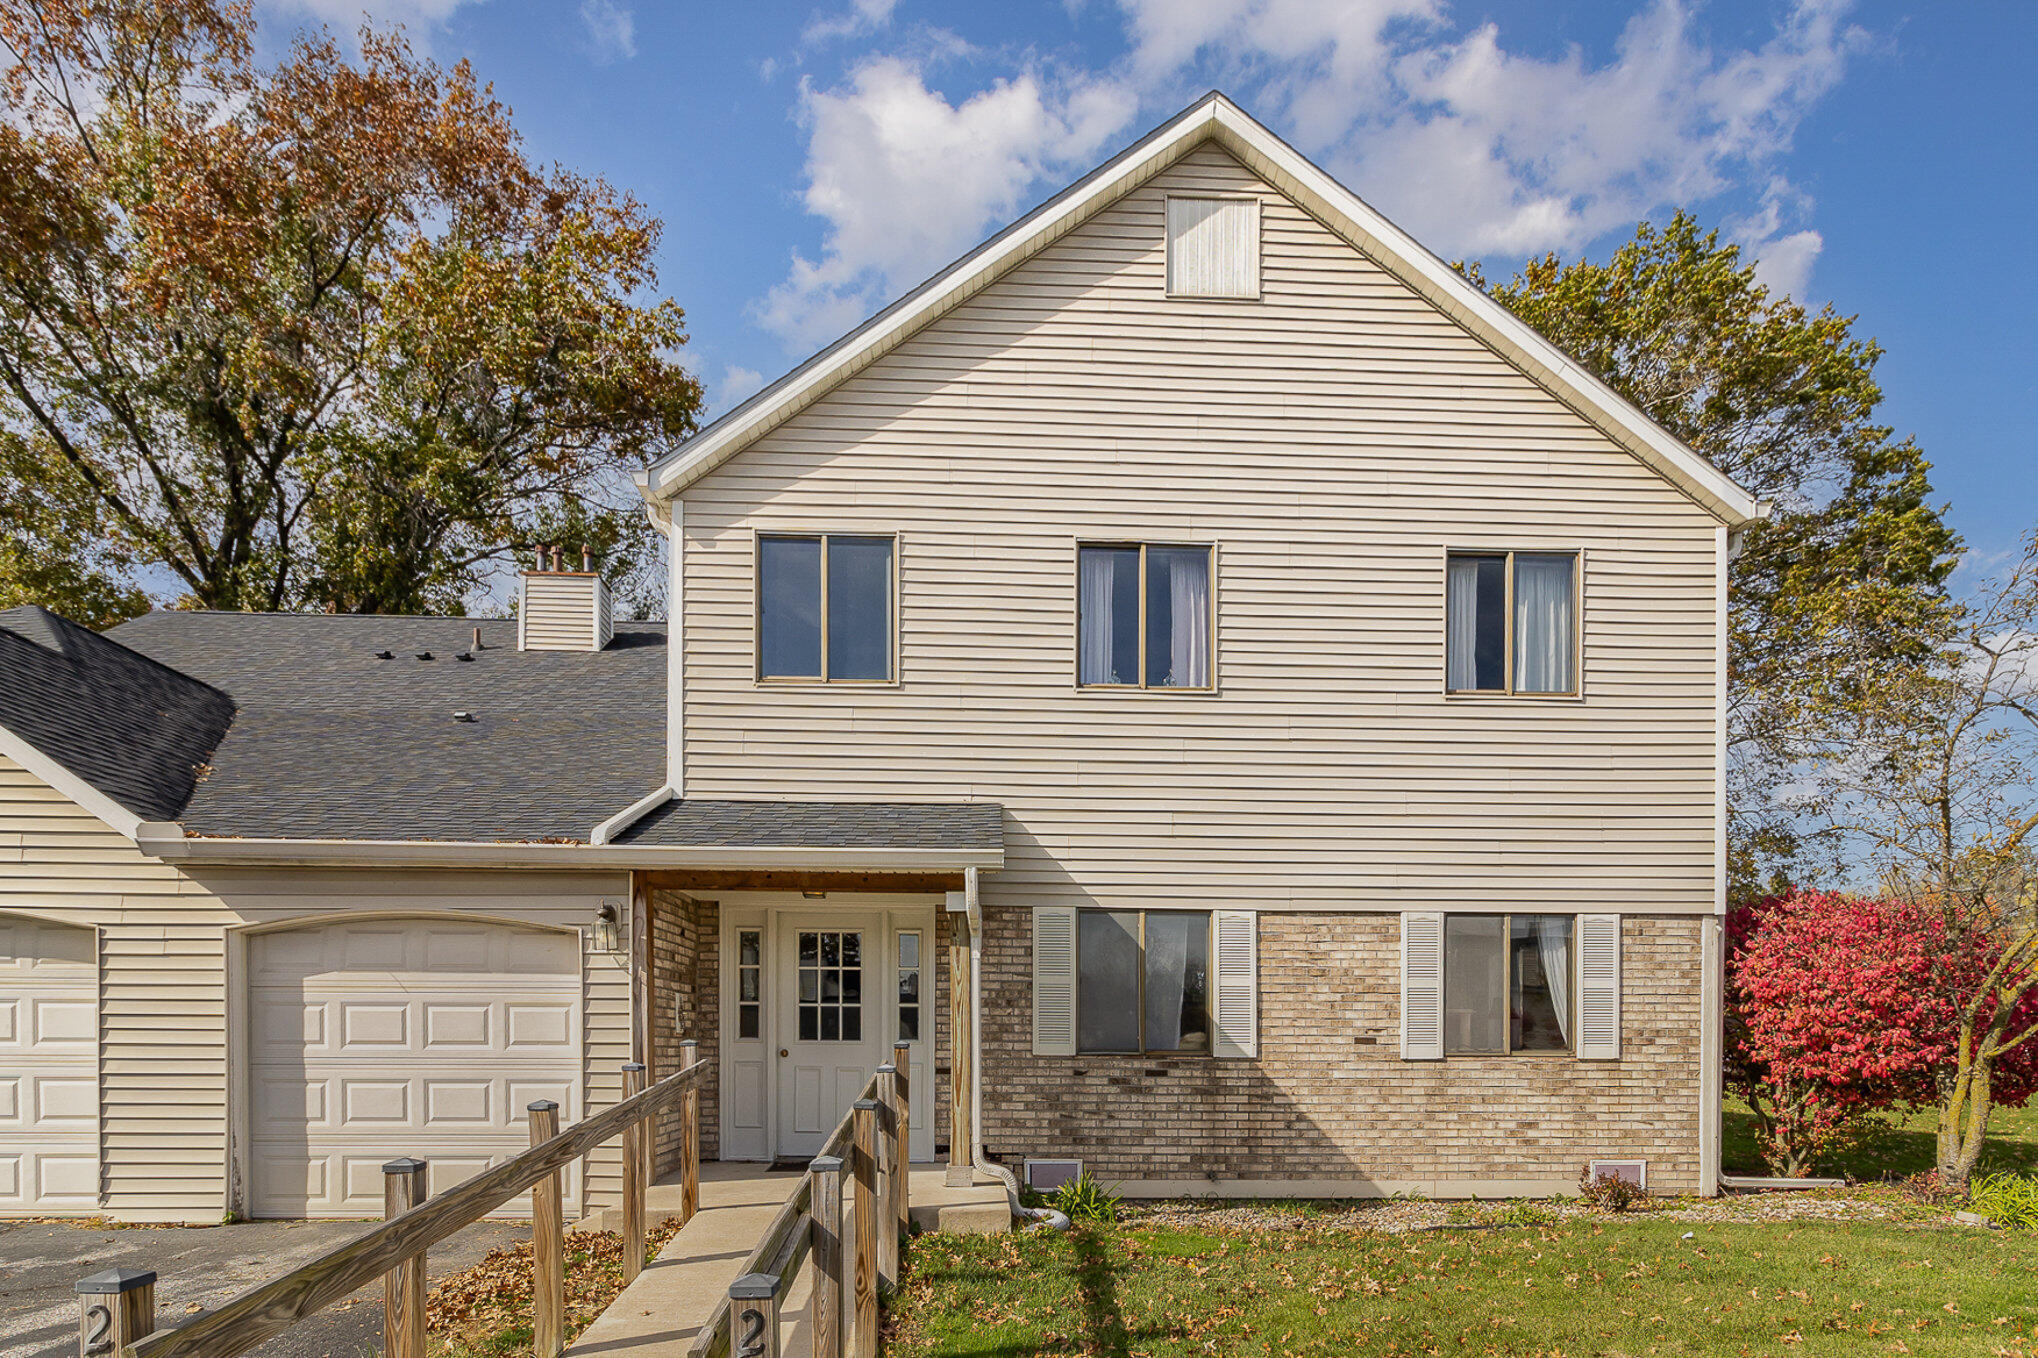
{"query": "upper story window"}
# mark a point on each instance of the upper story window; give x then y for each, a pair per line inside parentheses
(1144, 616)
(1508, 984)
(1213, 247)
(824, 607)
(1511, 622)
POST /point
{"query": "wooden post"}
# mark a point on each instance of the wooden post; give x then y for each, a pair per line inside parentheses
(753, 1316)
(902, 1063)
(633, 1179)
(403, 1287)
(689, 1138)
(888, 1175)
(115, 1308)
(863, 1330)
(961, 1046)
(827, 1217)
(548, 1244)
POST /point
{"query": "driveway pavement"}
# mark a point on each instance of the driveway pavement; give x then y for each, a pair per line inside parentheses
(198, 1267)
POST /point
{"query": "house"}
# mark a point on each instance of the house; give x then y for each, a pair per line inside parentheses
(1244, 707)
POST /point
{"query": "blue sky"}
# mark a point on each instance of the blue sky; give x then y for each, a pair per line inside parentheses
(810, 161)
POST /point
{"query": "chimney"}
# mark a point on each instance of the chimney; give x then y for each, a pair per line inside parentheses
(564, 610)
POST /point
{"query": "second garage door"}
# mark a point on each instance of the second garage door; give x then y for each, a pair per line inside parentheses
(376, 1039)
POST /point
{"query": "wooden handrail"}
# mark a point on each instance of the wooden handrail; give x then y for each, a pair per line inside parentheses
(786, 1240)
(268, 1309)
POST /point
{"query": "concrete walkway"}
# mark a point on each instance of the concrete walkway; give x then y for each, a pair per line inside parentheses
(659, 1315)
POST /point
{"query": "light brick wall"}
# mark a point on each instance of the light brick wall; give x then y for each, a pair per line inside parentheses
(1329, 1096)
(685, 979)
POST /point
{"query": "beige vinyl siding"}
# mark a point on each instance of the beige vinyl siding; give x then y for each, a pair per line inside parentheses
(165, 1071)
(565, 612)
(1333, 440)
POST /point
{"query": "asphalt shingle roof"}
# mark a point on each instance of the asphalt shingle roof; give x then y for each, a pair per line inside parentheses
(831, 825)
(129, 726)
(332, 742)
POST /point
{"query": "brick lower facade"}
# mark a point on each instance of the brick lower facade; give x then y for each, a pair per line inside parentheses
(685, 980)
(1329, 1097)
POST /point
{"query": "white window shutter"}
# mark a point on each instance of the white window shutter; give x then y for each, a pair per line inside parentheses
(1599, 987)
(1422, 987)
(1213, 247)
(1238, 985)
(1054, 980)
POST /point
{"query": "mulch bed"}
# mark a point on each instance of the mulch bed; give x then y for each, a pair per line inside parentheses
(487, 1308)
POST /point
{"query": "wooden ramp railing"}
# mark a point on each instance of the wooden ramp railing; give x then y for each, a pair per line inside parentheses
(117, 1308)
(869, 1145)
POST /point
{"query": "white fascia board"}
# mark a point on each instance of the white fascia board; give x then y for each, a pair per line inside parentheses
(1335, 205)
(121, 820)
(169, 844)
(628, 816)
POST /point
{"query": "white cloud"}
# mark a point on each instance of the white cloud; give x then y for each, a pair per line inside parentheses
(418, 17)
(611, 30)
(1474, 147)
(906, 181)
(862, 16)
(737, 384)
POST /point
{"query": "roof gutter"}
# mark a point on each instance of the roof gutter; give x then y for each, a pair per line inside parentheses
(628, 816)
(166, 840)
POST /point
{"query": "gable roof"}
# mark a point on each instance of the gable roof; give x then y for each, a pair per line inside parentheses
(121, 734)
(1211, 118)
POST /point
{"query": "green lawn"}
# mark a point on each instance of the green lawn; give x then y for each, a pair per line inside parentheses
(1621, 1286)
(1893, 1145)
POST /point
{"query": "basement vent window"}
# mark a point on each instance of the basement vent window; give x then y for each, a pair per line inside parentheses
(1635, 1172)
(1214, 247)
(1045, 1176)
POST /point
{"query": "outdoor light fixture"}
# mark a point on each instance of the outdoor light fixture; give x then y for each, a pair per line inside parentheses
(607, 934)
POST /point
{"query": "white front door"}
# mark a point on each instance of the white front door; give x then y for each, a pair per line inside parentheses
(832, 1021)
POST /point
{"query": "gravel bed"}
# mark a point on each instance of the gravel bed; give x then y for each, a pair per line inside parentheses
(1397, 1215)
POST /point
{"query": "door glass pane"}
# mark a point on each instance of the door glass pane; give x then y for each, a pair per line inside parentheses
(1107, 980)
(1539, 997)
(859, 608)
(1544, 626)
(1178, 617)
(1107, 615)
(749, 982)
(1475, 983)
(830, 986)
(1177, 982)
(789, 607)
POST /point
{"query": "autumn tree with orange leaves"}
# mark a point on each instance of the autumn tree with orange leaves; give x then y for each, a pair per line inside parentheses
(316, 335)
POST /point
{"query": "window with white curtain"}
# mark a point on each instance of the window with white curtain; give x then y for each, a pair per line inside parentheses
(1213, 247)
(1508, 984)
(1511, 622)
(1142, 981)
(1143, 616)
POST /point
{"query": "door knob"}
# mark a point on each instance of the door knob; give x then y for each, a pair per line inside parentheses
(783, 1052)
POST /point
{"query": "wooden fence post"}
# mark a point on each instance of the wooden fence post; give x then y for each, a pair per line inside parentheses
(863, 1332)
(753, 1316)
(961, 1047)
(633, 1179)
(548, 1244)
(902, 1062)
(403, 1287)
(689, 1138)
(888, 1175)
(826, 1212)
(115, 1308)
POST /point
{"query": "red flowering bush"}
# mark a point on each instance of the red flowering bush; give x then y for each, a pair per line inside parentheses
(1841, 1005)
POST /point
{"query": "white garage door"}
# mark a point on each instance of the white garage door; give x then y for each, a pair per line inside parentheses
(384, 1038)
(49, 1068)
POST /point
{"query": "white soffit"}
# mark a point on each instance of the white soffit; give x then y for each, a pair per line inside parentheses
(1213, 118)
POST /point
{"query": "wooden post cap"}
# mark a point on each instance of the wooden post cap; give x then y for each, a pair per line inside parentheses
(633, 1065)
(755, 1287)
(690, 1042)
(862, 1104)
(826, 1164)
(888, 1069)
(115, 1281)
(541, 1106)
(407, 1165)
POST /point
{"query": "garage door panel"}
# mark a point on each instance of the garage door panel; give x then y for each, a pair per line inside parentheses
(431, 1049)
(49, 1068)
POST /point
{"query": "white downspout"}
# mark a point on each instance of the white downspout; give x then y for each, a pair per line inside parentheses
(973, 907)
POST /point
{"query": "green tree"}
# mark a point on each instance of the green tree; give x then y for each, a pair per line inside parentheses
(310, 335)
(1845, 585)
